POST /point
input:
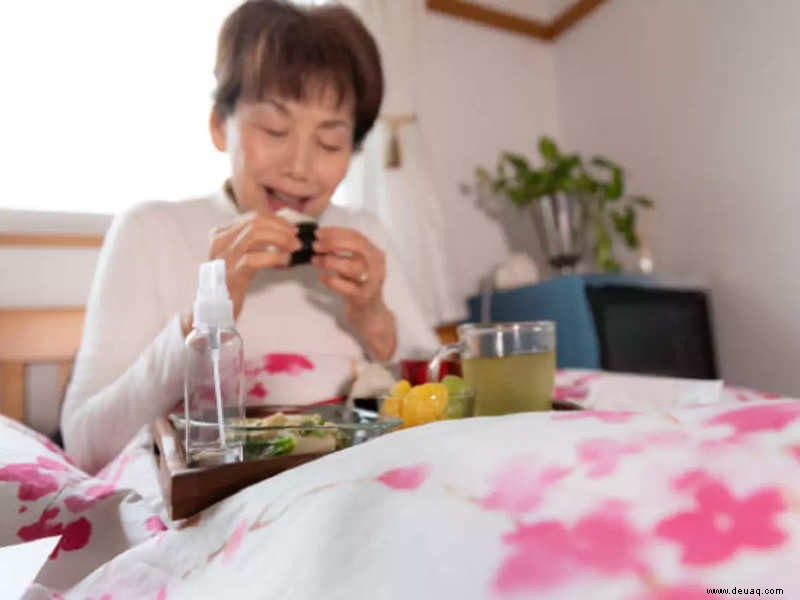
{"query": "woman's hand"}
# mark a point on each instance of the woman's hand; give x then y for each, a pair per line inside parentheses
(353, 267)
(249, 244)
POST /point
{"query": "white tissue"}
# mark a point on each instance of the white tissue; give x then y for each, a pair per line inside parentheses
(295, 217)
(650, 394)
(518, 270)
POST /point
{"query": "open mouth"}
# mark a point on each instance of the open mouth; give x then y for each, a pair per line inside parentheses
(278, 199)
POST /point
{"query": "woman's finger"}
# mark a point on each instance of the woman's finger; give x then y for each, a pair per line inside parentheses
(350, 290)
(250, 262)
(348, 243)
(353, 269)
(266, 235)
(222, 237)
(341, 240)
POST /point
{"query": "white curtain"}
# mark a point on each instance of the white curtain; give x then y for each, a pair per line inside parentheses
(403, 197)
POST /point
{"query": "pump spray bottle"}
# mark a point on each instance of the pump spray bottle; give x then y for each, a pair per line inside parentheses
(213, 384)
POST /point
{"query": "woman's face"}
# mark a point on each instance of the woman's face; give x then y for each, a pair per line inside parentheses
(286, 153)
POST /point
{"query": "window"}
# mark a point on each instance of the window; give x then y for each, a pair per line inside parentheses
(106, 103)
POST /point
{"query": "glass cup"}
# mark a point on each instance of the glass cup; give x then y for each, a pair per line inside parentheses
(511, 366)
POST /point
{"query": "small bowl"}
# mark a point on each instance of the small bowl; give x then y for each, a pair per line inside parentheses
(459, 406)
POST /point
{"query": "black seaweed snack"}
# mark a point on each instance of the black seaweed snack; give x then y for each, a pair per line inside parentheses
(306, 233)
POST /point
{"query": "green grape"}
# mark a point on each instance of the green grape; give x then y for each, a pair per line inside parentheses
(459, 397)
(455, 385)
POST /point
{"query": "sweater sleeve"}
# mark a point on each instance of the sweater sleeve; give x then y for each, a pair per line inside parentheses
(129, 369)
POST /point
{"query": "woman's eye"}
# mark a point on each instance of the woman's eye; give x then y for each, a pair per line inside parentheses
(330, 147)
(274, 132)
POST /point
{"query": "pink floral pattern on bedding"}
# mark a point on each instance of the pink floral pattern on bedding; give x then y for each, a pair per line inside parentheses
(43, 494)
(759, 418)
(720, 524)
(610, 505)
(405, 478)
(547, 553)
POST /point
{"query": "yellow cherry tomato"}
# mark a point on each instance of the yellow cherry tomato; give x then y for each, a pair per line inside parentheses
(423, 404)
(391, 407)
(401, 388)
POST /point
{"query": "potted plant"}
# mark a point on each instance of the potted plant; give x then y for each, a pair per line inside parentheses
(566, 194)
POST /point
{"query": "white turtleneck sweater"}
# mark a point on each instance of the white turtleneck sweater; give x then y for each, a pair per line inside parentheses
(129, 369)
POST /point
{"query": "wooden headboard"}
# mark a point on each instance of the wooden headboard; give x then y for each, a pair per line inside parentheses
(37, 335)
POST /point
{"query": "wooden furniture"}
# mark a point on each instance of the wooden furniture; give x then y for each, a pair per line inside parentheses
(35, 335)
(447, 333)
(38, 335)
(542, 30)
(50, 240)
(189, 490)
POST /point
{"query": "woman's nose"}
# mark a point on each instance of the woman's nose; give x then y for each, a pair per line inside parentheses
(298, 164)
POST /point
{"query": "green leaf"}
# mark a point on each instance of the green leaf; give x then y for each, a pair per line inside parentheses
(604, 247)
(643, 201)
(614, 189)
(630, 237)
(282, 444)
(625, 225)
(548, 148)
(586, 184)
(518, 162)
(518, 196)
(569, 186)
(611, 266)
(565, 166)
(602, 161)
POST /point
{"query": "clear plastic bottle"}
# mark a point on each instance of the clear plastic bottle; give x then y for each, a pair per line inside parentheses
(213, 384)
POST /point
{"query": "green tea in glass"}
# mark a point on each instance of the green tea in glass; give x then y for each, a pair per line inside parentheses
(510, 366)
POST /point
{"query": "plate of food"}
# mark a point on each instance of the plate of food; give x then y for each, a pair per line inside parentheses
(274, 439)
(268, 431)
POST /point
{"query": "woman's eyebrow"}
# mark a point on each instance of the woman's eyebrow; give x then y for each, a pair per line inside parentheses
(334, 123)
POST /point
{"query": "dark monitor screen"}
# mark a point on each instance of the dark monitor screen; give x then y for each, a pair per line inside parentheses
(654, 331)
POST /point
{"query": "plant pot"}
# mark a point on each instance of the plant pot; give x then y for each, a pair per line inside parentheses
(561, 222)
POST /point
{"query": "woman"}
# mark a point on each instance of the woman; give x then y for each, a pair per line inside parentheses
(297, 91)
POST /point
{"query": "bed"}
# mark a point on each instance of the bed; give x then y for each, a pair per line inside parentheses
(618, 504)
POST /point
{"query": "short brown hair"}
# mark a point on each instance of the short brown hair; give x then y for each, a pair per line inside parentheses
(271, 46)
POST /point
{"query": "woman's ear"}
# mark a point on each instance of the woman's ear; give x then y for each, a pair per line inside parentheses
(217, 124)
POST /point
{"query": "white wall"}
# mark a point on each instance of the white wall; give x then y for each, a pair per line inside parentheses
(701, 101)
(484, 90)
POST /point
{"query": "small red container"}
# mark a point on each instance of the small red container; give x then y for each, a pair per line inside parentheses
(416, 371)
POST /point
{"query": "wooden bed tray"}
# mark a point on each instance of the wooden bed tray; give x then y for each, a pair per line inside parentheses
(187, 491)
